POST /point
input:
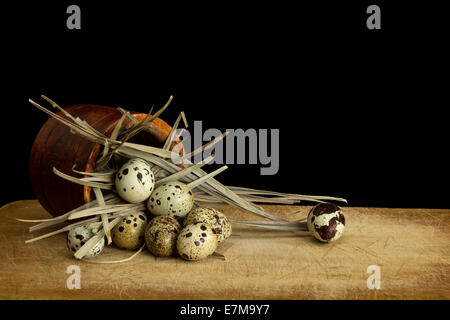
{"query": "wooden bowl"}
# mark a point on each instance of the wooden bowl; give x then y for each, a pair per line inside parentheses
(55, 146)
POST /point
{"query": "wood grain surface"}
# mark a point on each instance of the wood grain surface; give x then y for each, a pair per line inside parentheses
(411, 247)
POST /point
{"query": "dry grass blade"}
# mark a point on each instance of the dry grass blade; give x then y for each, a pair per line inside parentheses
(55, 105)
(183, 116)
(101, 162)
(127, 114)
(218, 255)
(107, 173)
(64, 216)
(292, 196)
(94, 226)
(74, 127)
(148, 149)
(136, 125)
(107, 186)
(110, 198)
(90, 128)
(276, 225)
(172, 132)
(205, 200)
(107, 179)
(99, 210)
(117, 214)
(204, 147)
(104, 216)
(205, 197)
(251, 206)
(118, 126)
(37, 220)
(77, 120)
(104, 162)
(180, 174)
(136, 129)
(106, 157)
(118, 261)
(201, 180)
(232, 198)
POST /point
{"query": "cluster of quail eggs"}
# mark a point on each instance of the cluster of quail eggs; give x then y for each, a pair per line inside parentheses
(172, 227)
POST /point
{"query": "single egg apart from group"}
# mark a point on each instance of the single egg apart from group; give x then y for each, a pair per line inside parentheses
(326, 222)
(135, 181)
(174, 199)
(78, 236)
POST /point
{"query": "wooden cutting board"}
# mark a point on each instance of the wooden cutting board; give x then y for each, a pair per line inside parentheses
(411, 247)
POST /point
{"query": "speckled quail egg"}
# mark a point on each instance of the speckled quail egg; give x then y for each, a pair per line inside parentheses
(326, 222)
(135, 181)
(129, 233)
(196, 241)
(173, 199)
(216, 219)
(78, 236)
(161, 236)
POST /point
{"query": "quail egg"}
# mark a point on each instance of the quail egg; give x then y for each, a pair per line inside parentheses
(216, 219)
(135, 181)
(196, 241)
(326, 222)
(78, 236)
(129, 233)
(161, 236)
(173, 199)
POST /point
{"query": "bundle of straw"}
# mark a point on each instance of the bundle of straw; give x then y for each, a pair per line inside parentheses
(103, 213)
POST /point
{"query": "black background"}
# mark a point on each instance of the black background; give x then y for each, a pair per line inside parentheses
(361, 112)
(352, 309)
